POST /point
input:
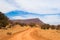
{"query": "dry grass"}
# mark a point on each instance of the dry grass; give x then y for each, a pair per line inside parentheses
(10, 31)
(28, 33)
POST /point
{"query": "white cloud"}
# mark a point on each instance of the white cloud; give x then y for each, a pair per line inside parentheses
(40, 6)
(6, 7)
(18, 17)
(34, 6)
(21, 17)
(51, 19)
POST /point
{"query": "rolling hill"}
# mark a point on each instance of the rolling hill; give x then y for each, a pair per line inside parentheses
(28, 21)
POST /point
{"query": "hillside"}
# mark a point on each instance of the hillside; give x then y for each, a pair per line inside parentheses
(28, 21)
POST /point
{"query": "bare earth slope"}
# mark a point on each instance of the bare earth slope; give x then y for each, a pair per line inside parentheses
(36, 34)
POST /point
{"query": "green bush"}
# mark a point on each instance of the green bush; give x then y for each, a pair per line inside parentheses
(3, 20)
(53, 27)
(45, 26)
(32, 25)
(58, 27)
(22, 24)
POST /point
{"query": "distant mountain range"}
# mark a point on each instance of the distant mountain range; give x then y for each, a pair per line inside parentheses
(28, 21)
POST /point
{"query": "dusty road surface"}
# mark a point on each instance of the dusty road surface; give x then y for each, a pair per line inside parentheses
(30, 34)
(34, 34)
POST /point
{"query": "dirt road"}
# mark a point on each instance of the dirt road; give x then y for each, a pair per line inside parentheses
(30, 34)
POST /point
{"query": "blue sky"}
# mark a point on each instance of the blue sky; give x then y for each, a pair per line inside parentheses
(46, 10)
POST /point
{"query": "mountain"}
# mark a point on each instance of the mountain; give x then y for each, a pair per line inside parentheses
(28, 21)
(24, 14)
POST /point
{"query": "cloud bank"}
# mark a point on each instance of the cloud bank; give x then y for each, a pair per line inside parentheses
(6, 7)
(38, 6)
(34, 6)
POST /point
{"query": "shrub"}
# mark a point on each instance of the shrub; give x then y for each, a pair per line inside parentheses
(0, 27)
(22, 24)
(32, 25)
(3, 20)
(9, 33)
(45, 26)
(58, 27)
(53, 27)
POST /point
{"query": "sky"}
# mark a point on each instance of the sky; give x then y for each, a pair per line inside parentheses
(46, 10)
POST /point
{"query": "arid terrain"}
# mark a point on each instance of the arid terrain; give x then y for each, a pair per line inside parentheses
(27, 29)
(29, 33)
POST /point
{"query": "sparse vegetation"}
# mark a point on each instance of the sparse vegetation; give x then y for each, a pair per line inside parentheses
(58, 27)
(9, 33)
(3, 20)
(22, 24)
(45, 26)
(53, 27)
(32, 25)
